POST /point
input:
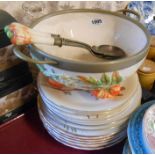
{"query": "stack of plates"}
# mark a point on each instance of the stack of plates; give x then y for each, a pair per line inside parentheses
(81, 121)
(141, 130)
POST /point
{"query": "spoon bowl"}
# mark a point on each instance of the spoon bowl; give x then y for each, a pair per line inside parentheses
(108, 52)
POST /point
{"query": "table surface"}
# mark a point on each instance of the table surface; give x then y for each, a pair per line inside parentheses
(26, 134)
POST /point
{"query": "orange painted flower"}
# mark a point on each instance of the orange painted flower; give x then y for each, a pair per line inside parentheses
(115, 90)
(101, 93)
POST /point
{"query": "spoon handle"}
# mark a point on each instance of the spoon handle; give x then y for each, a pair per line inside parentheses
(23, 35)
(68, 42)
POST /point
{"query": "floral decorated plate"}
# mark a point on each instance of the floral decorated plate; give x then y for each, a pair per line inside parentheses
(147, 13)
(135, 134)
(83, 101)
(149, 129)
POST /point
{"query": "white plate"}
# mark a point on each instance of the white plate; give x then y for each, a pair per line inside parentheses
(81, 114)
(81, 145)
(79, 137)
(81, 132)
(52, 116)
(69, 135)
(88, 143)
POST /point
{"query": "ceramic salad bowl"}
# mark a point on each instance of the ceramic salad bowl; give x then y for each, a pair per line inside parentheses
(75, 68)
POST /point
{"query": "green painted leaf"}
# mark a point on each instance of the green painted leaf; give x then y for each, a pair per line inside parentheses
(103, 79)
(92, 80)
(114, 83)
(119, 79)
(113, 80)
(116, 78)
(107, 78)
(99, 82)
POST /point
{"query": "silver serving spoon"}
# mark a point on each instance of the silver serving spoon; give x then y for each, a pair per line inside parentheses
(102, 51)
(22, 35)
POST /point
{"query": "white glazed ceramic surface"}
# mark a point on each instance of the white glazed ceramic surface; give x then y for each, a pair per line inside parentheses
(149, 128)
(85, 101)
(110, 29)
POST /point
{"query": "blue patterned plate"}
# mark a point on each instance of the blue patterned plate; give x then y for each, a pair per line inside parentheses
(134, 131)
(149, 129)
(146, 9)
